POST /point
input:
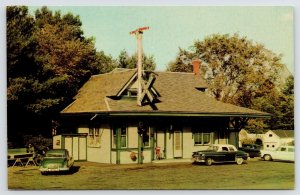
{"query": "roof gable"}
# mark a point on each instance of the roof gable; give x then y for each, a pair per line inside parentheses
(284, 133)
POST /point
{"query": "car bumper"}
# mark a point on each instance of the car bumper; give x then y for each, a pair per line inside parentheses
(42, 169)
(199, 159)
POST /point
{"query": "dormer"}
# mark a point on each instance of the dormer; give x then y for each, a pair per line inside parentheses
(129, 90)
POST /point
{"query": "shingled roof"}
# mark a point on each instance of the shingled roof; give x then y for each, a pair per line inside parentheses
(179, 95)
(284, 133)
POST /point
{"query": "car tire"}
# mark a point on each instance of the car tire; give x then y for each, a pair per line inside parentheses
(239, 161)
(43, 173)
(208, 161)
(267, 157)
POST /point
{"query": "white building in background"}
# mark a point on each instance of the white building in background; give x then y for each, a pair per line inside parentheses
(269, 140)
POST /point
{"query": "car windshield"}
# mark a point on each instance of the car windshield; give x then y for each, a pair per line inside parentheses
(214, 148)
(51, 155)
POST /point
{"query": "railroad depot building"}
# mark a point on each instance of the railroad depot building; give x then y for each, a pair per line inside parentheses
(176, 117)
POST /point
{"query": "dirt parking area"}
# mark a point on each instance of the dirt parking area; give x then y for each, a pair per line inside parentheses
(255, 174)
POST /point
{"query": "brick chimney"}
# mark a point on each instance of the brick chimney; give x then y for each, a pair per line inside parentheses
(196, 66)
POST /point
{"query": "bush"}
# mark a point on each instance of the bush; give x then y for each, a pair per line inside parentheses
(40, 143)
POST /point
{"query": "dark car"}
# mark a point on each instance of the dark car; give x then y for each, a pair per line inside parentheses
(252, 149)
(56, 160)
(220, 153)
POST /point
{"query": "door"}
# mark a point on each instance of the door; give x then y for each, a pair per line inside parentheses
(177, 144)
(160, 147)
(82, 148)
(69, 145)
(76, 145)
(75, 148)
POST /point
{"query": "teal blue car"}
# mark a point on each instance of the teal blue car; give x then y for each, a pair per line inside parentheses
(56, 160)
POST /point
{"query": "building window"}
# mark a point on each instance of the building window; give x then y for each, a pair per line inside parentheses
(202, 138)
(129, 93)
(270, 135)
(94, 137)
(123, 135)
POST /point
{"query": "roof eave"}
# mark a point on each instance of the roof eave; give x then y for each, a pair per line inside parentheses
(169, 114)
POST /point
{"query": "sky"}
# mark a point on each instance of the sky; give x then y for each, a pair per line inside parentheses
(172, 27)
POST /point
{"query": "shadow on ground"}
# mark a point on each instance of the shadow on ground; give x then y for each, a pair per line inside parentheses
(73, 170)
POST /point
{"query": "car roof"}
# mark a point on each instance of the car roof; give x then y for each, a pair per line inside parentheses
(225, 145)
(250, 144)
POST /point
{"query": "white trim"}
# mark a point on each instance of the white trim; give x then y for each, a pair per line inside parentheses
(107, 104)
(127, 84)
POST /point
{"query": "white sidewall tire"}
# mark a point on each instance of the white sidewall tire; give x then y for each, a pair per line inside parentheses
(239, 161)
(267, 157)
(208, 161)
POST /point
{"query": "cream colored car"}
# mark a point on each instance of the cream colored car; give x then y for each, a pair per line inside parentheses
(282, 153)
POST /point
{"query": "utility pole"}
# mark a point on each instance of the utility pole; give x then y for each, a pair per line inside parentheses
(139, 36)
(141, 129)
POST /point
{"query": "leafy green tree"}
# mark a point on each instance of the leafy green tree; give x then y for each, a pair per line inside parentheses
(48, 60)
(126, 61)
(182, 63)
(20, 47)
(243, 73)
(285, 118)
(234, 67)
(280, 105)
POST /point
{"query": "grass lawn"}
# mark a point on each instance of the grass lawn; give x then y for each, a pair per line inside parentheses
(256, 174)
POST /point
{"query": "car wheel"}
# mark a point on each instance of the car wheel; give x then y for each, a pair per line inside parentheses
(239, 161)
(43, 173)
(267, 157)
(208, 161)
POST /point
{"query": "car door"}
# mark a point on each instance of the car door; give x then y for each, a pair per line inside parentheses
(280, 153)
(290, 154)
(219, 155)
(226, 155)
(231, 154)
(284, 153)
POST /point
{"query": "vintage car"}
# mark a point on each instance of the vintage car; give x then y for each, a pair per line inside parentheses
(220, 153)
(282, 153)
(56, 160)
(252, 149)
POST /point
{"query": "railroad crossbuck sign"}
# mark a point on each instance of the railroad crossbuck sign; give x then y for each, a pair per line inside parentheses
(144, 89)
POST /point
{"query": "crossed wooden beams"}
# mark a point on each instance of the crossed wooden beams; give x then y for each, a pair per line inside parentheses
(147, 93)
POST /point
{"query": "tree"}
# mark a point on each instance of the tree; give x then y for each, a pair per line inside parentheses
(280, 105)
(20, 47)
(240, 72)
(126, 61)
(182, 63)
(234, 67)
(48, 60)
